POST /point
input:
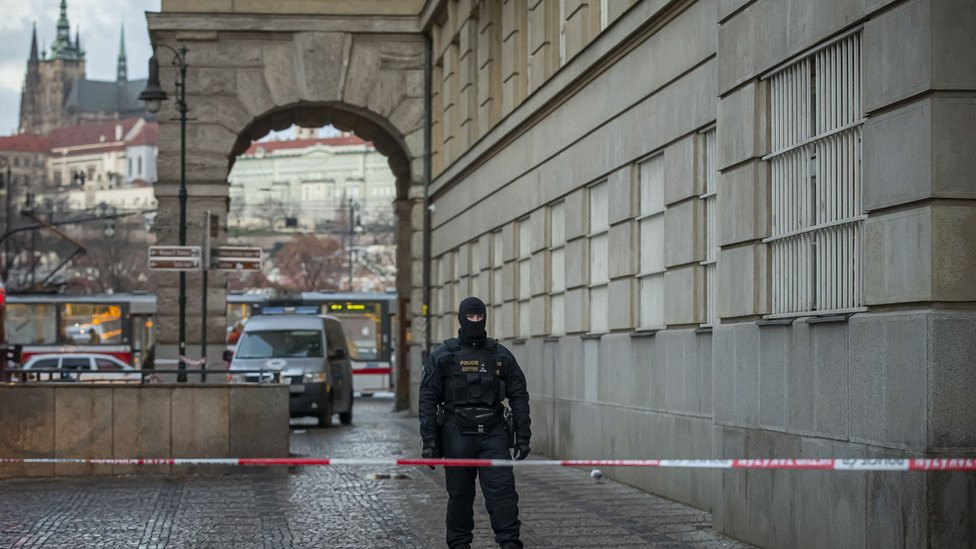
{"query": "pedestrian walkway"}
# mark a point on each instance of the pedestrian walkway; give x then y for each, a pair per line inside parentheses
(335, 507)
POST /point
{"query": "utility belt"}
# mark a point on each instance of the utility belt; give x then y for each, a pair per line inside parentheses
(475, 420)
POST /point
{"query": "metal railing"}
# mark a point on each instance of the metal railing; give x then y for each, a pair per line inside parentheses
(140, 377)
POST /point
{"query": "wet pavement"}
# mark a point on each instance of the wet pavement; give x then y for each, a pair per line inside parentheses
(335, 507)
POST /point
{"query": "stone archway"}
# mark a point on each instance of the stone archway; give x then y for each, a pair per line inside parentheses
(250, 75)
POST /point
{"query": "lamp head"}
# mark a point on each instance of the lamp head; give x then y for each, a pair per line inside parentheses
(153, 95)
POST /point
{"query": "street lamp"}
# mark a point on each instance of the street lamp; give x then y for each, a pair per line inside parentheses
(154, 95)
(8, 190)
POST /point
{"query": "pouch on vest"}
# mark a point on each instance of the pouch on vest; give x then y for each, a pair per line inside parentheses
(475, 420)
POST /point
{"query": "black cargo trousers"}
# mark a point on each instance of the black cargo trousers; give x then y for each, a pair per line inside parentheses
(497, 485)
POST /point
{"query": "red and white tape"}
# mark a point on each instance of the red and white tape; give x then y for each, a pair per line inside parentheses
(932, 464)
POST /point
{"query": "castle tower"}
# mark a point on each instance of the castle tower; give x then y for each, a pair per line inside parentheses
(121, 73)
(29, 115)
(50, 79)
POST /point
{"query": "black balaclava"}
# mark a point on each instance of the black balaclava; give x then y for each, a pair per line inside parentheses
(472, 332)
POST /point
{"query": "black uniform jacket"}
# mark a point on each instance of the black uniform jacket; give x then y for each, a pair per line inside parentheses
(432, 393)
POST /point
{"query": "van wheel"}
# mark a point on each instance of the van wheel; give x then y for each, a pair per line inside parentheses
(325, 418)
(346, 417)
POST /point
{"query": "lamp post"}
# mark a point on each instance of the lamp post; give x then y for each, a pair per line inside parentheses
(8, 190)
(154, 95)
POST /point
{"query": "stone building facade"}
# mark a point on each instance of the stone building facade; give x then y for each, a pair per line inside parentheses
(707, 228)
(734, 228)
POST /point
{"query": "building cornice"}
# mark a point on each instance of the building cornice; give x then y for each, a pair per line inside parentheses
(196, 25)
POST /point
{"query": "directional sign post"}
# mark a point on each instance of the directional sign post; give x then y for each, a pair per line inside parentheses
(235, 258)
(175, 258)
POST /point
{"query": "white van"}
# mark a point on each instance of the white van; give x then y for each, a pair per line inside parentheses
(310, 353)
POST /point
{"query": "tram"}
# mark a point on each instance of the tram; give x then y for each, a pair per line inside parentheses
(121, 325)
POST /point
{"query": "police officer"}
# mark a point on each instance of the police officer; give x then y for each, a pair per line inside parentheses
(467, 378)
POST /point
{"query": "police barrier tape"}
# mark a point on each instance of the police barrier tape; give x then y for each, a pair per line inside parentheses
(931, 464)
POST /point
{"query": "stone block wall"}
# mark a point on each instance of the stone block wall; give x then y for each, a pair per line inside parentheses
(158, 421)
(698, 365)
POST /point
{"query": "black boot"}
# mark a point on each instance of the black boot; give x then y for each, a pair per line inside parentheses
(511, 545)
(462, 546)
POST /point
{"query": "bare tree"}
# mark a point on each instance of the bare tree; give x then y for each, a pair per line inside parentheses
(117, 264)
(310, 262)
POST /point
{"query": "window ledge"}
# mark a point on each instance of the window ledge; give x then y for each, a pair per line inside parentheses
(825, 319)
(518, 341)
(591, 336)
(551, 338)
(703, 330)
(644, 333)
(775, 322)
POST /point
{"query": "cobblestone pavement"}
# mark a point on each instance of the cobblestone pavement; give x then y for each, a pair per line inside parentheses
(334, 506)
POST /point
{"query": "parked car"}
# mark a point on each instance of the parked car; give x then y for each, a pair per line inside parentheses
(89, 367)
(309, 352)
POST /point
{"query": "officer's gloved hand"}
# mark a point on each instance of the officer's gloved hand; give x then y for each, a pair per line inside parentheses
(522, 452)
(431, 452)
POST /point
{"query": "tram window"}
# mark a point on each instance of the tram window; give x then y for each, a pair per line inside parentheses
(83, 323)
(363, 333)
(31, 324)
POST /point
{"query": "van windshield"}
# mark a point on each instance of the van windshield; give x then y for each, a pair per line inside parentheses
(280, 344)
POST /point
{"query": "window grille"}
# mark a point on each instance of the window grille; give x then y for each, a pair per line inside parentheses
(817, 215)
(557, 268)
(497, 282)
(475, 269)
(524, 282)
(599, 257)
(651, 220)
(710, 177)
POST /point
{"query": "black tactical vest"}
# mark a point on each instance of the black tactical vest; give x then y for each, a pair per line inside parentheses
(474, 375)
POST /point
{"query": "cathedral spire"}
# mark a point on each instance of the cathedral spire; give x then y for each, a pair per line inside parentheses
(33, 53)
(121, 74)
(64, 29)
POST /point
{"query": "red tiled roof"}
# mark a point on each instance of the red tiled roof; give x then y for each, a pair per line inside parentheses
(148, 135)
(90, 134)
(24, 142)
(270, 146)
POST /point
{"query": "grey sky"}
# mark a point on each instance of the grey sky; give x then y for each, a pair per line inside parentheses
(99, 21)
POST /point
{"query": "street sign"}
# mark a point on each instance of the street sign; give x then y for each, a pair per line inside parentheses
(174, 264)
(175, 258)
(174, 251)
(235, 258)
(245, 252)
(238, 264)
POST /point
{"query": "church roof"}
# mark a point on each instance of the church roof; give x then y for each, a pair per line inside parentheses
(93, 96)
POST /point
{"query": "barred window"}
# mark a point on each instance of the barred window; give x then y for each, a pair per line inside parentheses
(817, 215)
(497, 282)
(475, 269)
(651, 219)
(710, 177)
(557, 269)
(599, 257)
(524, 281)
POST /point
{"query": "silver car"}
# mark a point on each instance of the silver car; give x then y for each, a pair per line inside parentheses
(309, 353)
(82, 367)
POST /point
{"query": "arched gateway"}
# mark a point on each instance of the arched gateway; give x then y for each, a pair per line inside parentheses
(249, 74)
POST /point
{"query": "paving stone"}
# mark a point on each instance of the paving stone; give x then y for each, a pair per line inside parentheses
(334, 507)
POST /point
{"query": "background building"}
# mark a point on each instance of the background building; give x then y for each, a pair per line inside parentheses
(312, 181)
